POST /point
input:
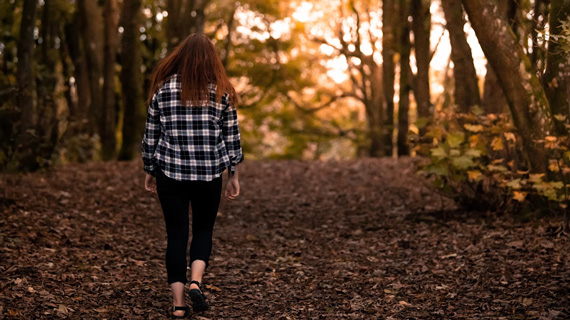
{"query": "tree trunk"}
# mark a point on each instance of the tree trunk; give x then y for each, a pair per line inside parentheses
(466, 87)
(108, 122)
(421, 26)
(47, 81)
(494, 100)
(525, 96)
(91, 32)
(404, 103)
(557, 76)
(81, 76)
(184, 18)
(373, 104)
(27, 135)
(389, 16)
(131, 80)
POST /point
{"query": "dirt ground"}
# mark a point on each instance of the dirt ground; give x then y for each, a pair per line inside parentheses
(361, 239)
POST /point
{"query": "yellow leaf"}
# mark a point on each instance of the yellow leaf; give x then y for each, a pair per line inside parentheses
(553, 165)
(550, 142)
(510, 136)
(519, 195)
(536, 177)
(497, 143)
(474, 175)
(473, 140)
(473, 128)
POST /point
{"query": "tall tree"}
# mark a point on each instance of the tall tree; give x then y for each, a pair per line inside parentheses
(365, 77)
(131, 79)
(557, 76)
(91, 28)
(404, 49)
(525, 95)
(24, 151)
(48, 76)
(389, 19)
(107, 125)
(421, 26)
(466, 85)
(77, 79)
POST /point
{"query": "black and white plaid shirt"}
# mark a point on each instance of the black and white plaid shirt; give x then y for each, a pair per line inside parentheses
(190, 142)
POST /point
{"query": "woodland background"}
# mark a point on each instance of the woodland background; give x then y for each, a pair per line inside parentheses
(478, 87)
(342, 104)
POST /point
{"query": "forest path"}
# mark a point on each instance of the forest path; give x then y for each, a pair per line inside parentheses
(360, 239)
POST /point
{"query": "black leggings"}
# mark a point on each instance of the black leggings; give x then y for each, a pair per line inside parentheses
(175, 197)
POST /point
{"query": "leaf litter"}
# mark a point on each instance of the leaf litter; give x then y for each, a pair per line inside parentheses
(358, 239)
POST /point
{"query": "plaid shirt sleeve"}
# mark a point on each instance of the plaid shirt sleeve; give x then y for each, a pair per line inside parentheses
(231, 136)
(151, 136)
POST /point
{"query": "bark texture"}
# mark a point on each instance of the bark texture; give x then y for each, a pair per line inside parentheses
(494, 100)
(25, 78)
(131, 80)
(557, 75)
(466, 86)
(525, 96)
(91, 27)
(405, 74)
(421, 26)
(389, 19)
(108, 122)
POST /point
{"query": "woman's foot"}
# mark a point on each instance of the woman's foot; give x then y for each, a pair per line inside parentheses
(199, 302)
(180, 312)
(178, 300)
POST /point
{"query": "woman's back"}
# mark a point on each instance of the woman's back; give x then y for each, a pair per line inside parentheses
(194, 142)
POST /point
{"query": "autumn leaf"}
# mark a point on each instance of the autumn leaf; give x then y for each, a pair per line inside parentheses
(519, 195)
(473, 175)
(497, 143)
(473, 128)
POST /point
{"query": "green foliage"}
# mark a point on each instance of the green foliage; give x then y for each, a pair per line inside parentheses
(477, 160)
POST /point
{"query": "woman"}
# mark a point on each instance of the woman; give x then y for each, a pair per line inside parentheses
(191, 137)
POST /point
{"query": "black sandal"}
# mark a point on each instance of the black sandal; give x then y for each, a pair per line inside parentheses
(186, 312)
(199, 302)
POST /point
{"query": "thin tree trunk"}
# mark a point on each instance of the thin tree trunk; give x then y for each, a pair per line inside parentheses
(389, 16)
(466, 85)
(91, 32)
(227, 41)
(81, 76)
(46, 85)
(404, 103)
(525, 96)
(25, 141)
(557, 75)
(421, 27)
(131, 80)
(373, 104)
(108, 120)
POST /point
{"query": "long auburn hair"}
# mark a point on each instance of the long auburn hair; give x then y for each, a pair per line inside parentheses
(198, 64)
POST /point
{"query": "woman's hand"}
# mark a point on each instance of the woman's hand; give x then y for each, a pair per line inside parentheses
(232, 188)
(150, 183)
